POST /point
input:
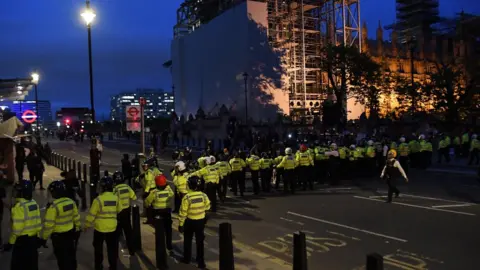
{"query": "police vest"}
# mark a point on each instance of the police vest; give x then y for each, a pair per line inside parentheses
(25, 220)
(103, 213)
(194, 205)
(125, 194)
(161, 199)
(62, 216)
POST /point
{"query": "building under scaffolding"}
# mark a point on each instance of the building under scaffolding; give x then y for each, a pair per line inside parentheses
(300, 29)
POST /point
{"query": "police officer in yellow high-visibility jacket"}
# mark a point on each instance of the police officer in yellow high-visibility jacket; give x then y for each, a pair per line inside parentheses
(266, 164)
(224, 169)
(179, 174)
(26, 224)
(160, 199)
(192, 219)
(211, 176)
(237, 176)
(125, 196)
(253, 163)
(305, 163)
(149, 184)
(403, 150)
(103, 217)
(288, 165)
(371, 161)
(62, 224)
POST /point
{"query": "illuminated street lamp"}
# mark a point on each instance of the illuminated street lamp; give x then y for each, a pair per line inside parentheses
(35, 79)
(58, 124)
(89, 16)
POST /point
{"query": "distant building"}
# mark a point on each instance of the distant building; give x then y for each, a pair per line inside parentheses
(159, 103)
(73, 115)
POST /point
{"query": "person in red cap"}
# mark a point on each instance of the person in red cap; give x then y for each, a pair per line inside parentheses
(160, 199)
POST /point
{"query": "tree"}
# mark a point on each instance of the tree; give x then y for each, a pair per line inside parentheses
(406, 93)
(345, 67)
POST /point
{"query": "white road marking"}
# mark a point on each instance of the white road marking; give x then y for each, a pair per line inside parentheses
(418, 206)
(453, 205)
(348, 227)
(293, 221)
(423, 197)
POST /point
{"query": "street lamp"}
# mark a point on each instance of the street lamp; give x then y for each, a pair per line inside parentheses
(245, 79)
(88, 16)
(35, 79)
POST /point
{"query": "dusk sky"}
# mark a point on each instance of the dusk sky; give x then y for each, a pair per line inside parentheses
(130, 39)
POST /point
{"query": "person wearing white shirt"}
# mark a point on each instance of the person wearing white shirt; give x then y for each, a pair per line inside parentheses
(390, 172)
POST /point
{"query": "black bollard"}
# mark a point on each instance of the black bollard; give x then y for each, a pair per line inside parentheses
(160, 246)
(79, 170)
(53, 160)
(74, 165)
(60, 162)
(374, 261)
(65, 163)
(85, 175)
(69, 164)
(226, 247)
(137, 235)
(299, 251)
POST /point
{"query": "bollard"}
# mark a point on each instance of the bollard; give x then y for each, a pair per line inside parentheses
(84, 187)
(69, 164)
(65, 163)
(226, 247)
(137, 236)
(74, 165)
(54, 159)
(374, 261)
(299, 251)
(79, 170)
(84, 169)
(60, 159)
(160, 246)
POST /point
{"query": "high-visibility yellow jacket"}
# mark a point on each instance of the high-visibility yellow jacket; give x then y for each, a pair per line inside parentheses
(288, 163)
(370, 152)
(442, 144)
(393, 146)
(209, 173)
(125, 194)
(424, 146)
(180, 182)
(26, 219)
(403, 149)
(194, 205)
(237, 164)
(304, 159)
(277, 160)
(475, 144)
(413, 146)
(202, 162)
(103, 213)
(266, 163)
(253, 163)
(62, 216)
(343, 152)
(160, 198)
(465, 138)
(457, 141)
(224, 168)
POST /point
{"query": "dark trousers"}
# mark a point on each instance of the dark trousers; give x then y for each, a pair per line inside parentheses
(238, 180)
(443, 152)
(474, 155)
(266, 177)
(178, 201)
(289, 181)
(191, 228)
(304, 176)
(124, 224)
(256, 186)
(166, 220)
(64, 250)
(24, 254)
(404, 163)
(392, 188)
(465, 149)
(19, 170)
(278, 177)
(423, 160)
(111, 240)
(36, 177)
(211, 190)
(321, 170)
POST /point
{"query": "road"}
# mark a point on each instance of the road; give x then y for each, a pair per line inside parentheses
(432, 225)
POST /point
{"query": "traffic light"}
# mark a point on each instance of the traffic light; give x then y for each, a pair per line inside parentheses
(81, 130)
(67, 121)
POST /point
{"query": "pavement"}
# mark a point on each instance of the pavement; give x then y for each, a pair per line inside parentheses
(432, 225)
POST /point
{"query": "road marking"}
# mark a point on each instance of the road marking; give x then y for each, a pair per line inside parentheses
(348, 227)
(292, 221)
(418, 206)
(452, 205)
(423, 197)
(335, 189)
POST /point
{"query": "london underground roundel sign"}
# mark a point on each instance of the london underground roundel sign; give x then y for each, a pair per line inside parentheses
(29, 116)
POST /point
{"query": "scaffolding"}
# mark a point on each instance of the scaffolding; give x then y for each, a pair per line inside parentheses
(301, 29)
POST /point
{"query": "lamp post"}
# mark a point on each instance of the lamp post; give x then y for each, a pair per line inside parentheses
(245, 79)
(88, 16)
(35, 79)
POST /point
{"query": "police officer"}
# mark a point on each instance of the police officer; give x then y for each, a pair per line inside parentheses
(224, 170)
(266, 172)
(237, 177)
(391, 171)
(179, 175)
(288, 165)
(192, 219)
(125, 195)
(62, 224)
(211, 176)
(147, 180)
(253, 163)
(304, 161)
(160, 200)
(103, 216)
(26, 224)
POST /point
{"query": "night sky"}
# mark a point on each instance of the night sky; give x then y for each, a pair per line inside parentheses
(130, 39)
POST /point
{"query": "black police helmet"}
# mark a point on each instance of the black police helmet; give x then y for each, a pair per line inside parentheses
(24, 189)
(106, 183)
(194, 183)
(118, 177)
(57, 189)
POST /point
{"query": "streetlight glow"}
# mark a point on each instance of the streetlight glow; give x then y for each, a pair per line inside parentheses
(58, 124)
(35, 77)
(19, 92)
(88, 16)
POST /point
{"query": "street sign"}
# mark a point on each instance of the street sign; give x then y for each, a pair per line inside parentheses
(133, 118)
(29, 116)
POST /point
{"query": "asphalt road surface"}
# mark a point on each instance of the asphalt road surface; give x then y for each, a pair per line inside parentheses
(432, 225)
